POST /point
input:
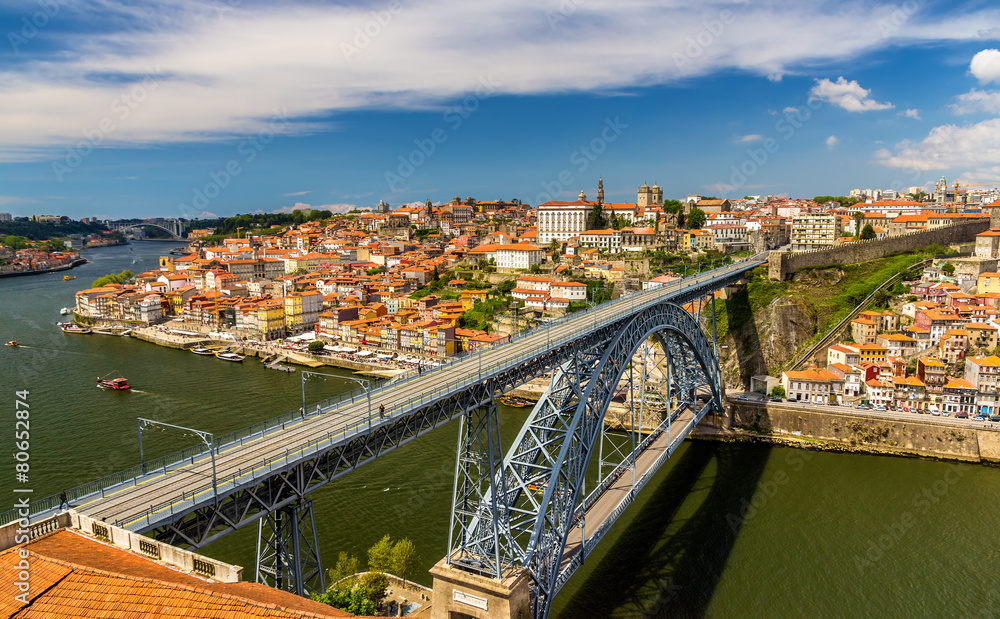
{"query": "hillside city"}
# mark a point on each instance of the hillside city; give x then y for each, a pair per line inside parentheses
(407, 285)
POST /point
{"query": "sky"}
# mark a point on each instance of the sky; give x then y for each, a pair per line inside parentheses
(177, 108)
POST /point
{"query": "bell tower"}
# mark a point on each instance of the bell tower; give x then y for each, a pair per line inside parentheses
(600, 190)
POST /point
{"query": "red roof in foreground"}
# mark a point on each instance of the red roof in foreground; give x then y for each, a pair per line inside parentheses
(73, 575)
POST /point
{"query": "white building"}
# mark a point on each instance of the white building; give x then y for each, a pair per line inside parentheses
(571, 291)
(559, 220)
(608, 240)
(519, 256)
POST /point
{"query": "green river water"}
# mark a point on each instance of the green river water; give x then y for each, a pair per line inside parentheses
(722, 530)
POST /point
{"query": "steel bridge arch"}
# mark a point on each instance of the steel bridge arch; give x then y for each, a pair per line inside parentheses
(556, 442)
(165, 229)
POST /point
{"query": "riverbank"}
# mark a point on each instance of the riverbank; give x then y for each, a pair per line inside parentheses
(55, 269)
(267, 352)
(847, 431)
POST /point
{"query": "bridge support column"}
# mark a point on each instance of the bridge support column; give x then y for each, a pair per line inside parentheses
(288, 550)
(459, 594)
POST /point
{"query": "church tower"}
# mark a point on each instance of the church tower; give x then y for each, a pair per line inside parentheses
(600, 190)
(657, 195)
(645, 196)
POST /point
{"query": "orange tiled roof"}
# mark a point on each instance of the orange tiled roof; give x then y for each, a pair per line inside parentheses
(75, 576)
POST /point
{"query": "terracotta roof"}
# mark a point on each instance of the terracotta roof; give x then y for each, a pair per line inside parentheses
(75, 576)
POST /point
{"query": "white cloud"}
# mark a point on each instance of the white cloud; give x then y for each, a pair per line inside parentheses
(224, 71)
(753, 137)
(847, 94)
(296, 193)
(775, 77)
(947, 147)
(911, 113)
(207, 215)
(15, 200)
(977, 101)
(790, 110)
(986, 66)
(832, 141)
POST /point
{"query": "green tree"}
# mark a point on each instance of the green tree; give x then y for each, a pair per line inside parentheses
(948, 269)
(380, 555)
(555, 255)
(858, 217)
(404, 558)
(867, 233)
(555, 245)
(347, 566)
(919, 196)
(696, 218)
(596, 219)
(54, 245)
(315, 346)
(778, 391)
(374, 585)
(14, 242)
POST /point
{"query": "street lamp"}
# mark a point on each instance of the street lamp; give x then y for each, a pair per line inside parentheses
(207, 437)
(365, 384)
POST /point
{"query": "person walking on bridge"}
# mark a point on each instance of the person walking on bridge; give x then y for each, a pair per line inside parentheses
(381, 411)
(63, 499)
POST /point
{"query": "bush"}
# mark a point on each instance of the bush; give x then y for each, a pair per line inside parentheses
(315, 346)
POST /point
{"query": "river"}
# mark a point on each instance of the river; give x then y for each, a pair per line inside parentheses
(723, 530)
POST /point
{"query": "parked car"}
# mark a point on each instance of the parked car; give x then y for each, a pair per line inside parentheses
(936, 413)
(864, 407)
(878, 408)
(980, 418)
(995, 417)
(776, 399)
(961, 415)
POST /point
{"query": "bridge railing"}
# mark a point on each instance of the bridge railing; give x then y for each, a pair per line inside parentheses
(133, 475)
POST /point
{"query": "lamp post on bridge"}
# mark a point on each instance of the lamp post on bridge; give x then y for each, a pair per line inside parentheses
(365, 384)
(207, 437)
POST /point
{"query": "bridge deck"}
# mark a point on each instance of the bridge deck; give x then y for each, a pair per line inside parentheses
(154, 499)
(608, 506)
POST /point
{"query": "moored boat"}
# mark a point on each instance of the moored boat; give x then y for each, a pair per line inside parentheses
(65, 311)
(69, 327)
(117, 383)
(198, 350)
(229, 356)
(514, 401)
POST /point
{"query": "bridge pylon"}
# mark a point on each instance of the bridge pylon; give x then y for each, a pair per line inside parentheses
(288, 550)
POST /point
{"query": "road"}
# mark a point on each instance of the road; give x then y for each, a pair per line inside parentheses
(884, 415)
(152, 497)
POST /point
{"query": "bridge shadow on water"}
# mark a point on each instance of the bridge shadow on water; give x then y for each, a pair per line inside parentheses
(670, 557)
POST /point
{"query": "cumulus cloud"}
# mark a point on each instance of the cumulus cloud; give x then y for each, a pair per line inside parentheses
(986, 66)
(977, 101)
(790, 110)
(911, 113)
(832, 141)
(753, 137)
(209, 60)
(947, 147)
(775, 77)
(846, 94)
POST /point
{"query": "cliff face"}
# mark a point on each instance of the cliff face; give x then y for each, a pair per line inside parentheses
(769, 339)
(765, 335)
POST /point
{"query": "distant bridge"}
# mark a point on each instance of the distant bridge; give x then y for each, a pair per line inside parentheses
(174, 226)
(526, 512)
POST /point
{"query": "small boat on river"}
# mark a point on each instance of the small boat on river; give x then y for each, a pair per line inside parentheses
(115, 383)
(230, 356)
(514, 401)
(69, 327)
(14, 343)
(198, 350)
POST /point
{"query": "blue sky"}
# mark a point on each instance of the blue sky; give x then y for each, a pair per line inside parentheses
(179, 108)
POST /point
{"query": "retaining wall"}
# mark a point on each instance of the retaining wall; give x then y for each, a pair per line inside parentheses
(783, 264)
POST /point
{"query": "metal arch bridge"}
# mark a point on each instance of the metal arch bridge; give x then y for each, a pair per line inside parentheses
(173, 226)
(264, 473)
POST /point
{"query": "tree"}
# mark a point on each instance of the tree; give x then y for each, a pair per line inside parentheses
(14, 242)
(858, 218)
(54, 245)
(404, 558)
(867, 233)
(380, 555)
(696, 218)
(374, 584)
(596, 220)
(315, 346)
(948, 269)
(778, 391)
(347, 566)
(555, 255)
(555, 245)
(919, 196)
